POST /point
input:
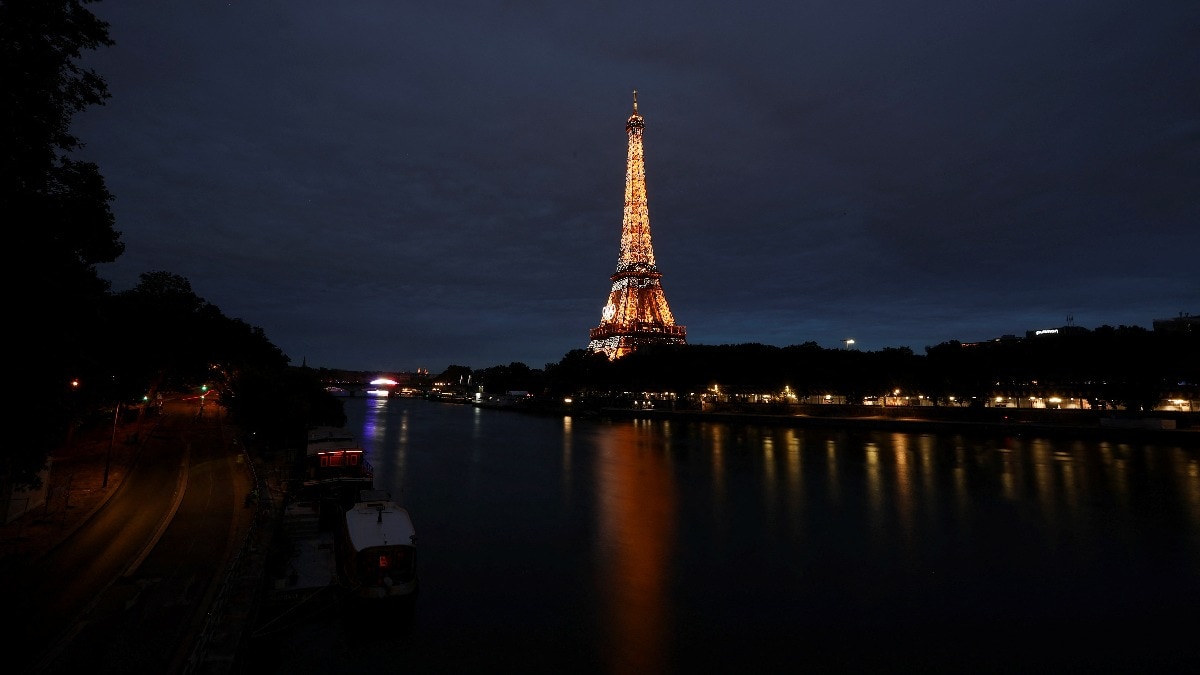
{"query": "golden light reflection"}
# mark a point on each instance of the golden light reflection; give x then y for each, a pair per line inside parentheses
(874, 487)
(1043, 479)
(720, 497)
(905, 497)
(637, 513)
(567, 469)
(795, 465)
(769, 479)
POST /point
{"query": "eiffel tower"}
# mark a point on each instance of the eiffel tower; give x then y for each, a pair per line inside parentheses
(636, 313)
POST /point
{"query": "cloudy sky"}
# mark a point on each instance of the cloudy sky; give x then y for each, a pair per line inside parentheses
(392, 185)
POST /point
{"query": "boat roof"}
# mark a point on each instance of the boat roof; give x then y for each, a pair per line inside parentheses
(332, 446)
(319, 434)
(379, 522)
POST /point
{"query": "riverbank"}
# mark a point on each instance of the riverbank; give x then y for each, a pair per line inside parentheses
(1156, 426)
(1189, 435)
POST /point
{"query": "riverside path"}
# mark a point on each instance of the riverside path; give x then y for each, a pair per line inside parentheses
(133, 587)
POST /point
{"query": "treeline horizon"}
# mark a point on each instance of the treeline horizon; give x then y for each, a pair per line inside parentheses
(1129, 366)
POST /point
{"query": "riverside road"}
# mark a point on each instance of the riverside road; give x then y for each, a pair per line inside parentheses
(132, 589)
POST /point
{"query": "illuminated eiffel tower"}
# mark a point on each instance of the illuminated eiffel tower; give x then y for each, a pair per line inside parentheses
(636, 313)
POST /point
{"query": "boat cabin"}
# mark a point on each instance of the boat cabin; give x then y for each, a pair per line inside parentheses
(376, 548)
(335, 468)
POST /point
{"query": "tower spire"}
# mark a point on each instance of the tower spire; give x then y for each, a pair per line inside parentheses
(636, 313)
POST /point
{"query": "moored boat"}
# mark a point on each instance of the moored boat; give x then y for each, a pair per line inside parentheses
(336, 469)
(376, 548)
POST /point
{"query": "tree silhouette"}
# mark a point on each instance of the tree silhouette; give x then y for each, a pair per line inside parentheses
(60, 208)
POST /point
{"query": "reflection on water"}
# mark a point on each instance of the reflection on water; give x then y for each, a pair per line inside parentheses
(597, 546)
(636, 511)
(383, 432)
(1186, 472)
(567, 458)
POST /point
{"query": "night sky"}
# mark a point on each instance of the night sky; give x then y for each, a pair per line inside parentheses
(385, 185)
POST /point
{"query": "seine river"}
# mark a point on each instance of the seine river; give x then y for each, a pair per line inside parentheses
(559, 545)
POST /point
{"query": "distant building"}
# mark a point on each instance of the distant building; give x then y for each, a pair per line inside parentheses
(1062, 330)
(1184, 323)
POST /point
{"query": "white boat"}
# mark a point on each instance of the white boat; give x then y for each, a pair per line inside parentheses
(377, 548)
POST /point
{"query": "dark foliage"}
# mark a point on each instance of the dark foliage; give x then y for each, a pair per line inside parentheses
(275, 406)
(60, 210)
(516, 376)
(1129, 367)
(83, 351)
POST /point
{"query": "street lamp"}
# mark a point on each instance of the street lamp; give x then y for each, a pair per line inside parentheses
(848, 342)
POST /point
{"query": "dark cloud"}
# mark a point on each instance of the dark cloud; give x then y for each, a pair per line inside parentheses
(387, 185)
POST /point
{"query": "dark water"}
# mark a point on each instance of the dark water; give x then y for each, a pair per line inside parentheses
(555, 545)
